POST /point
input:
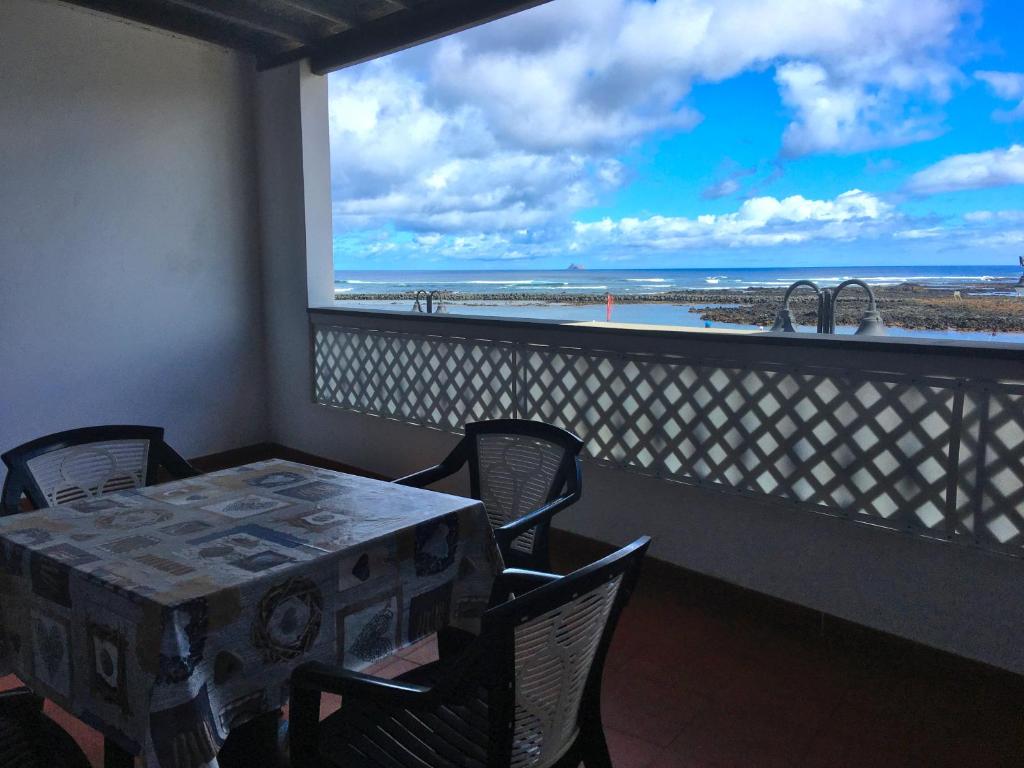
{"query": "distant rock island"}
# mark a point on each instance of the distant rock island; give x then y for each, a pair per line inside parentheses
(575, 267)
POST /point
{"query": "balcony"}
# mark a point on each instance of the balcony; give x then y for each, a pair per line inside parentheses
(838, 522)
(920, 438)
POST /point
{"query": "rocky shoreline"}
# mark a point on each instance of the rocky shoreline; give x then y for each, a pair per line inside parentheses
(911, 306)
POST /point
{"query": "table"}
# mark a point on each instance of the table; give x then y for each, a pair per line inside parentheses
(168, 615)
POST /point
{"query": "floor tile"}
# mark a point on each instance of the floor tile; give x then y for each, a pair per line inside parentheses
(628, 751)
(688, 686)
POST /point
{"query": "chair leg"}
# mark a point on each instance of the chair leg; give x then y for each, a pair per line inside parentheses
(115, 757)
(257, 742)
(303, 723)
(594, 747)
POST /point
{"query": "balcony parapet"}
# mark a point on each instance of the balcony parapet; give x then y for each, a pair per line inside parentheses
(920, 436)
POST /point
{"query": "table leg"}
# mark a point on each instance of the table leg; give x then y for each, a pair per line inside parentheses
(115, 757)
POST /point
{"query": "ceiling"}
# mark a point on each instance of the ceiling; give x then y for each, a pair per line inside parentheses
(330, 33)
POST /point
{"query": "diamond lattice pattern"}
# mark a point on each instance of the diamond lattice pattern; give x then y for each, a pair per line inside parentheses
(937, 457)
(874, 449)
(432, 381)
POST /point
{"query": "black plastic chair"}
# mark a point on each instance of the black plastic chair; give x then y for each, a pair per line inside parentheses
(524, 472)
(85, 463)
(29, 739)
(524, 693)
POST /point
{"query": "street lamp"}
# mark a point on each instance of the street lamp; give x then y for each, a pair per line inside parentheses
(870, 324)
(784, 319)
(430, 308)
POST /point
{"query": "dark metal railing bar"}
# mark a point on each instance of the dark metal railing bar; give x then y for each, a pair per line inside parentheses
(953, 464)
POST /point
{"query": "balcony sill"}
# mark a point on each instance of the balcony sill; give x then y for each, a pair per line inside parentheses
(594, 330)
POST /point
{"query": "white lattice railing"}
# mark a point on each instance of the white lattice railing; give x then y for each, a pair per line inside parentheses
(925, 437)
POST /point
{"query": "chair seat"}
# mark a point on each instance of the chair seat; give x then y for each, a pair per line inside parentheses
(365, 734)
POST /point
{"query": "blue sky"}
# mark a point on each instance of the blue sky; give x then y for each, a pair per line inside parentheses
(689, 133)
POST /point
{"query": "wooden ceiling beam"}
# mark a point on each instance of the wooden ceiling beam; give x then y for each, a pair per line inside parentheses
(182, 21)
(397, 31)
(325, 9)
(251, 16)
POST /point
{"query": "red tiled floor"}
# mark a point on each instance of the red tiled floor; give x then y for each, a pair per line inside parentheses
(693, 686)
(628, 751)
(656, 711)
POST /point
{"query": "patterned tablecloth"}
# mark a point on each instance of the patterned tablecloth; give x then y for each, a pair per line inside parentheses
(167, 615)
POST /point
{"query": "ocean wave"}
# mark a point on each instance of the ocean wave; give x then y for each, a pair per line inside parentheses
(497, 282)
(698, 280)
(877, 280)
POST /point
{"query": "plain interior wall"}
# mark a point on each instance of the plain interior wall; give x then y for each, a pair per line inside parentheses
(129, 252)
(951, 597)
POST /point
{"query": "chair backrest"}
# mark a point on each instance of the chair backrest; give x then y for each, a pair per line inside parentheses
(516, 466)
(82, 463)
(553, 643)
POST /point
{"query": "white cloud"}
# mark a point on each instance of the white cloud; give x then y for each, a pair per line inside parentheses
(927, 233)
(994, 216)
(1002, 239)
(842, 116)
(400, 160)
(1005, 85)
(977, 170)
(722, 188)
(1008, 86)
(518, 124)
(586, 73)
(759, 221)
(729, 181)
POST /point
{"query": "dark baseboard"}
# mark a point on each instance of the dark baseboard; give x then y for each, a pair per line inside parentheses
(264, 451)
(740, 605)
(235, 457)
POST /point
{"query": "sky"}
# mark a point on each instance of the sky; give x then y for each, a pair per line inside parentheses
(689, 133)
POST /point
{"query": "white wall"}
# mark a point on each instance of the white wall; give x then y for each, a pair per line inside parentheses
(129, 250)
(294, 154)
(951, 597)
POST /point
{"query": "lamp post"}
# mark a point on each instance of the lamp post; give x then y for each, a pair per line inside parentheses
(870, 324)
(429, 295)
(784, 319)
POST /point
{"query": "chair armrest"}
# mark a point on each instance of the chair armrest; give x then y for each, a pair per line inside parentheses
(322, 678)
(518, 580)
(452, 463)
(310, 680)
(10, 497)
(426, 477)
(506, 533)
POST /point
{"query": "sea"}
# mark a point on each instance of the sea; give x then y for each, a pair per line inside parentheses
(538, 287)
